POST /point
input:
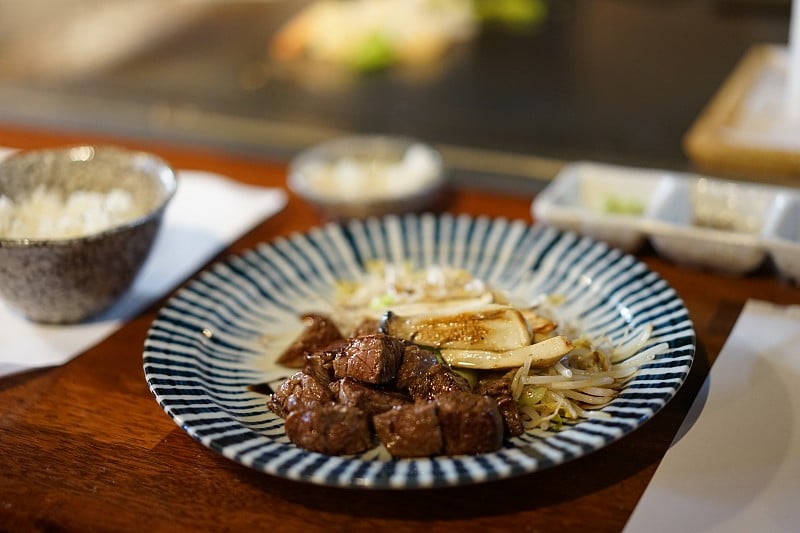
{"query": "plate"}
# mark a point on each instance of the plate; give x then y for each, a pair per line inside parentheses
(219, 335)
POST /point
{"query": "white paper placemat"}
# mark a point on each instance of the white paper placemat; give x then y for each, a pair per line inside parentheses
(207, 213)
(735, 463)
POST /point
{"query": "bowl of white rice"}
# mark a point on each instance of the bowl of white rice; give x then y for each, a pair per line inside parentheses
(76, 225)
(360, 176)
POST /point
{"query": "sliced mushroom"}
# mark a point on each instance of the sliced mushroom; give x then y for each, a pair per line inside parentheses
(543, 354)
(491, 327)
(539, 325)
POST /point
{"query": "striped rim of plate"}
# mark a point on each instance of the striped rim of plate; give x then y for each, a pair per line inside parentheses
(213, 339)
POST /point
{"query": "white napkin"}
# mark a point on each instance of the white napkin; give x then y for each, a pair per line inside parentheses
(735, 463)
(207, 213)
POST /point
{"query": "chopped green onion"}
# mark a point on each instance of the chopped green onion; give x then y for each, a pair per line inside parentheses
(471, 376)
(622, 206)
(382, 302)
(532, 395)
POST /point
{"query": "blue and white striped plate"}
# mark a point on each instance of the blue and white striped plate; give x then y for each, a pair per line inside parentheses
(221, 333)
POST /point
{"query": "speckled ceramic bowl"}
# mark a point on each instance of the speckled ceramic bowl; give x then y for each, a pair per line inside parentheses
(65, 280)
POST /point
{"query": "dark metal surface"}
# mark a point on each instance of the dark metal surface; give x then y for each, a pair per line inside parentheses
(619, 81)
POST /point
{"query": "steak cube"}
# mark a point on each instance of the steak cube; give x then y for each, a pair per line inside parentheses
(319, 331)
(471, 423)
(437, 380)
(330, 428)
(500, 390)
(369, 399)
(320, 363)
(411, 430)
(370, 359)
(368, 326)
(299, 391)
(416, 361)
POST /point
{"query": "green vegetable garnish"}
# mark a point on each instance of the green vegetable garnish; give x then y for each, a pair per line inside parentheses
(622, 206)
(381, 302)
(374, 53)
(532, 395)
(511, 13)
(471, 376)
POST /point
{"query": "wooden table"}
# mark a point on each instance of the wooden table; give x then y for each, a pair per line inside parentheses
(85, 446)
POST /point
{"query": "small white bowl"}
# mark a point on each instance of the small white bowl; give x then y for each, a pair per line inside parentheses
(368, 175)
(63, 279)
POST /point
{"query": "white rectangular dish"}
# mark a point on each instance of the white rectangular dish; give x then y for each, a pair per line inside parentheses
(698, 221)
(602, 201)
(782, 236)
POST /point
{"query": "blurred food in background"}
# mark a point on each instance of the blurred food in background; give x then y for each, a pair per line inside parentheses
(370, 35)
(539, 82)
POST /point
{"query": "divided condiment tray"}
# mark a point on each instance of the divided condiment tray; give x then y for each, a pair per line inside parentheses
(698, 221)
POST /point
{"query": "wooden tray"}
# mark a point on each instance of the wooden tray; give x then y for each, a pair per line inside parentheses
(720, 140)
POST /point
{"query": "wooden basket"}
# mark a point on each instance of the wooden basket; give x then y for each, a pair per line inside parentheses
(715, 141)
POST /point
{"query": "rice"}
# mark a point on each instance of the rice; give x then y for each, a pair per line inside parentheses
(353, 178)
(47, 214)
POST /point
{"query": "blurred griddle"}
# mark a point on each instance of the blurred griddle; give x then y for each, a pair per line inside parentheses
(619, 81)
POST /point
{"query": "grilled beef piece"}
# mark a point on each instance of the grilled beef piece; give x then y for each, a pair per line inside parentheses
(319, 332)
(411, 430)
(369, 399)
(368, 326)
(370, 359)
(298, 392)
(470, 423)
(320, 363)
(500, 390)
(316, 366)
(416, 361)
(437, 380)
(329, 428)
